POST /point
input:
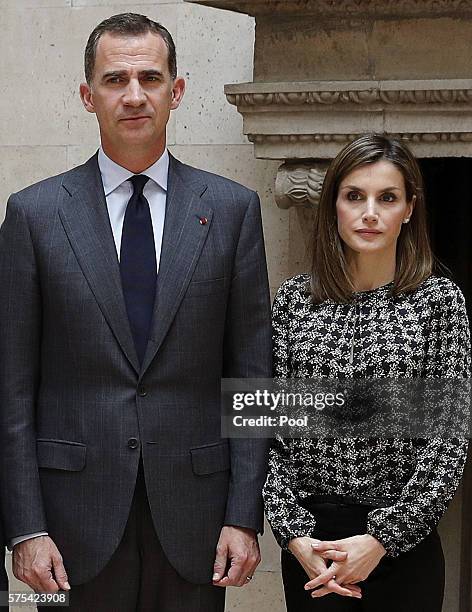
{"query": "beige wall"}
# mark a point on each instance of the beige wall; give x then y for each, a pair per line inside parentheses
(44, 131)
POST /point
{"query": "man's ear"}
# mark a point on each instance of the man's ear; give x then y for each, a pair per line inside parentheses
(178, 90)
(86, 97)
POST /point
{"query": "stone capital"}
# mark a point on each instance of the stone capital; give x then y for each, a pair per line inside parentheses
(299, 185)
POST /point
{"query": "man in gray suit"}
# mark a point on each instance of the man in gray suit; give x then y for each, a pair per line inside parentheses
(128, 287)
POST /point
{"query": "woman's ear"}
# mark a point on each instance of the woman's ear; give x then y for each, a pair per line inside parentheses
(411, 207)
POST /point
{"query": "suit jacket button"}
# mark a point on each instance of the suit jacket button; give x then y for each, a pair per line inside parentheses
(142, 391)
(133, 443)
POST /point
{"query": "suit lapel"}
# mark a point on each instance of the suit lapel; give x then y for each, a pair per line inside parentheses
(85, 219)
(183, 238)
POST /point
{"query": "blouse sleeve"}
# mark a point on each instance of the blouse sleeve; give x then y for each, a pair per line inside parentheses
(280, 332)
(286, 517)
(440, 461)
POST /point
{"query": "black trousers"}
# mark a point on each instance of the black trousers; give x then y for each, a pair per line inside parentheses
(411, 582)
(138, 577)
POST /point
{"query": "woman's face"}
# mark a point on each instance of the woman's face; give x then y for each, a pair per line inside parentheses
(371, 207)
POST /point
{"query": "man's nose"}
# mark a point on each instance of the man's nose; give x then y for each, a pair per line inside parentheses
(134, 95)
(370, 213)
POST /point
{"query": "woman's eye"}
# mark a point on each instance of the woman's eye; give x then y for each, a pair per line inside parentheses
(388, 197)
(354, 196)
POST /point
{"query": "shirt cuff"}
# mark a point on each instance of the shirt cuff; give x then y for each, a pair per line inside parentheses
(14, 541)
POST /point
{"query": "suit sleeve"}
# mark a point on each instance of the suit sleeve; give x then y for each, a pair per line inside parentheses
(20, 345)
(248, 354)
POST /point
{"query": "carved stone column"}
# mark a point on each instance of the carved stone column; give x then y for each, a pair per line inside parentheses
(299, 186)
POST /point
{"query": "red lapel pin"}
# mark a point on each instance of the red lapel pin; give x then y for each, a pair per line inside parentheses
(203, 220)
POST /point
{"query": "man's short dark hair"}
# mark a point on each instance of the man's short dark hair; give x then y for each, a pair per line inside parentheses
(128, 24)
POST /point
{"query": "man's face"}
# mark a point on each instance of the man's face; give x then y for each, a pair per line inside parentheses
(132, 92)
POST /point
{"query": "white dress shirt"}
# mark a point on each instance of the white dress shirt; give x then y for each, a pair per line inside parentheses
(118, 190)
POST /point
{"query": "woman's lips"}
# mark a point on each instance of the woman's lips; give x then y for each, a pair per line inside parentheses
(368, 233)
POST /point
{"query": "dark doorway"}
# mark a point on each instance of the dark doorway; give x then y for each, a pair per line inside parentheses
(448, 187)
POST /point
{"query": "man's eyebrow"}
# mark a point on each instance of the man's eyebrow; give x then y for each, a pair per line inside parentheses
(113, 73)
(151, 72)
(147, 72)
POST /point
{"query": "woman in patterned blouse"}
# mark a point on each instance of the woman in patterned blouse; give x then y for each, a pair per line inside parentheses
(356, 517)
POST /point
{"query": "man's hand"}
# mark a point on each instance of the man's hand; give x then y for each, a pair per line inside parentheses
(238, 548)
(38, 563)
(314, 564)
(364, 553)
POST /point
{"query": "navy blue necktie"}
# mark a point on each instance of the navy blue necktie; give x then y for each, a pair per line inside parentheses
(138, 265)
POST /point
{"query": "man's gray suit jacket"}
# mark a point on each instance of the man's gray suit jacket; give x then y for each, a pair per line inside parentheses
(76, 407)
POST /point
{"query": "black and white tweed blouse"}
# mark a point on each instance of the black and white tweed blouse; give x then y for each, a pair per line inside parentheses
(424, 333)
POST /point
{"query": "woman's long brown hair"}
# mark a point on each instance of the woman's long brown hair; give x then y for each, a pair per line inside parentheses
(414, 260)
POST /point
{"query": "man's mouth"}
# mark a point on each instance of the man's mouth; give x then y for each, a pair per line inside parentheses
(139, 117)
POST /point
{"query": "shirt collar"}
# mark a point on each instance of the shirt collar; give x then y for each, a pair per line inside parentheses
(114, 175)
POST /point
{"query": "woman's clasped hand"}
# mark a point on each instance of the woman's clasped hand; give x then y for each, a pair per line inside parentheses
(362, 554)
(315, 564)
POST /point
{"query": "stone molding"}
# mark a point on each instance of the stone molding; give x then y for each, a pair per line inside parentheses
(345, 8)
(312, 120)
(299, 185)
(425, 137)
(332, 93)
(370, 95)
